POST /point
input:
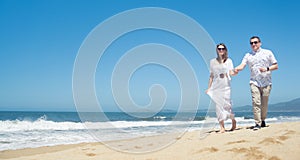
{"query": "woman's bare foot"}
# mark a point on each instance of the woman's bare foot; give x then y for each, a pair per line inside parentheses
(222, 130)
(233, 125)
(222, 127)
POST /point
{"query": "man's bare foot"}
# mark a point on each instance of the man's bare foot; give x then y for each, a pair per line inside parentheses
(233, 125)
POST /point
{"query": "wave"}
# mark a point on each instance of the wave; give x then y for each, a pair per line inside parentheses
(17, 125)
(44, 124)
(16, 134)
(41, 124)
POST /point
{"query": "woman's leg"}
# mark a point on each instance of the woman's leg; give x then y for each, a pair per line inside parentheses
(233, 125)
(222, 128)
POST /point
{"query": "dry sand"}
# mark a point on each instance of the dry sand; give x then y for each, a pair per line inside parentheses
(275, 142)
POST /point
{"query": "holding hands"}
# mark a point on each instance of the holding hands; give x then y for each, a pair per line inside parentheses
(239, 68)
(234, 71)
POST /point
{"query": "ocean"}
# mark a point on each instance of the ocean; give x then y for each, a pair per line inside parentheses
(35, 129)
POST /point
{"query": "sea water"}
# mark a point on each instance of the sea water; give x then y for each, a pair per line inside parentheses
(35, 129)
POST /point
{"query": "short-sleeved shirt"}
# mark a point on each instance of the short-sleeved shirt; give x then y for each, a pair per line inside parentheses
(263, 58)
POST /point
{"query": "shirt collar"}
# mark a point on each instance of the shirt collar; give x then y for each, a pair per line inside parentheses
(254, 52)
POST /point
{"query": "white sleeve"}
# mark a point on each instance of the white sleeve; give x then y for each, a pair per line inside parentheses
(272, 58)
(230, 64)
(245, 59)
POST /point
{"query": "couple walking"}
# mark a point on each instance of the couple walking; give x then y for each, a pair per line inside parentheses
(261, 62)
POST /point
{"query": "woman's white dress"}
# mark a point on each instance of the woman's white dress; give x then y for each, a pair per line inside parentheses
(220, 90)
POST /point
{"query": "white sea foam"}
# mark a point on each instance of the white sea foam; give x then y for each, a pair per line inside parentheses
(16, 134)
(16, 125)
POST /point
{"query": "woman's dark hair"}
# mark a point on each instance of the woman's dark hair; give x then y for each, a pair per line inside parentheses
(225, 56)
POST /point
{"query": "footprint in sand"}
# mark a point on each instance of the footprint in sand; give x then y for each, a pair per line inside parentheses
(210, 149)
(290, 132)
(274, 158)
(90, 154)
(276, 140)
(283, 138)
(234, 142)
(270, 141)
(137, 147)
(250, 153)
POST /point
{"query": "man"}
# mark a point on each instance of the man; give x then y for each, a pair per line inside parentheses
(261, 62)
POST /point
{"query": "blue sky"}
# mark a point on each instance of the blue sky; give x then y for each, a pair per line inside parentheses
(40, 40)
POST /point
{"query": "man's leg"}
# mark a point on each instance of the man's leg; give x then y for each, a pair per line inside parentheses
(265, 99)
(256, 103)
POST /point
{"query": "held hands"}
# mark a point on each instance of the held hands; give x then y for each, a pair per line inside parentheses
(237, 69)
(234, 72)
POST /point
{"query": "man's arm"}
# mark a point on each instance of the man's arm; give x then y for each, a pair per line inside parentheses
(240, 67)
(273, 67)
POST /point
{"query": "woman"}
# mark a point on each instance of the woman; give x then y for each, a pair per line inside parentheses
(221, 68)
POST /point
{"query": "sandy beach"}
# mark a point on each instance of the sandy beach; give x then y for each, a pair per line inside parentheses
(276, 142)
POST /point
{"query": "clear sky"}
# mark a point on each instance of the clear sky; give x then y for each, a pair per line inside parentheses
(39, 41)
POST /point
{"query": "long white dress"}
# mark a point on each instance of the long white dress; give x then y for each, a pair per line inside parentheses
(220, 90)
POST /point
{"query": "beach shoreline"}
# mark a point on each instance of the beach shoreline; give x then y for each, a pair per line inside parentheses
(276, 142)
